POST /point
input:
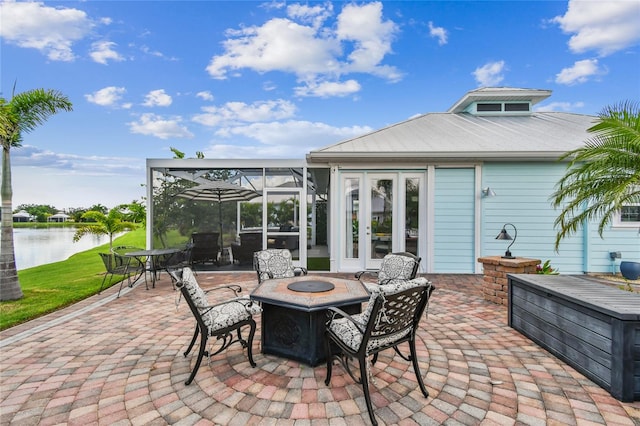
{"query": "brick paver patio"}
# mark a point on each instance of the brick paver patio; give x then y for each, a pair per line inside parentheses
(119, 362)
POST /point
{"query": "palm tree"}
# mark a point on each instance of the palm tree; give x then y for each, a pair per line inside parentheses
(108, 224)
(602, 176)
(22, 114)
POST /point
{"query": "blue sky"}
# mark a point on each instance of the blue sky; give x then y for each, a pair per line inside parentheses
(243, 79)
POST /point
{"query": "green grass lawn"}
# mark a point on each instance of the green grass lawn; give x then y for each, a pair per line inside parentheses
(50, 287)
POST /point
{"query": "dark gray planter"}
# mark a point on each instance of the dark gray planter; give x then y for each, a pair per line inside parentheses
(630, 270)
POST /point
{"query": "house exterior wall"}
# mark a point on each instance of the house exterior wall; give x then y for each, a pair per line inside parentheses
(523, 199)
(454, 225)
(625, 240)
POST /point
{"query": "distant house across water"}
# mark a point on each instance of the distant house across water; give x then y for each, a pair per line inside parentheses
(23, 216)
(58, 217)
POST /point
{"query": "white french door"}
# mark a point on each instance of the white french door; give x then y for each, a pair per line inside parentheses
(382, 212)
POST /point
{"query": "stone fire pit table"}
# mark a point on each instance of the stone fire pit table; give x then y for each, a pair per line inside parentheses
(294, 313)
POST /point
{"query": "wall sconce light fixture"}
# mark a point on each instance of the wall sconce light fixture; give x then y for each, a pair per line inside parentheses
(488, 192)
(504, 235)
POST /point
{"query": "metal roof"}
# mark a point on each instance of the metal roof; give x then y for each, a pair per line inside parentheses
(457, 135)
(466, 137)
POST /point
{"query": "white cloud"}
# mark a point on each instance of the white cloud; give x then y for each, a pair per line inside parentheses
(490, 74)
(290, 139)
(154, 125)
(235, 112)
(146, 50)
(279, 44)
(603, 26)
(314, 15)
(46, 177)
(439, 33)
(157, 98)
(301, 45)
(328, 88)
(102, 51)
(108, 96)
(364, 26)
(559, 106)
(205, 95)
(580, 72)
(50, 30)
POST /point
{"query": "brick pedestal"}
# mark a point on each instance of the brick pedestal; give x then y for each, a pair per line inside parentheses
(496, 268)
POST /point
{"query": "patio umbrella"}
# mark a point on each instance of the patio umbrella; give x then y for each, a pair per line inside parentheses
(220, 192)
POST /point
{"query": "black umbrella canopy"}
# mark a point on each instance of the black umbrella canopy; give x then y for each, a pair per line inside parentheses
(219, 191)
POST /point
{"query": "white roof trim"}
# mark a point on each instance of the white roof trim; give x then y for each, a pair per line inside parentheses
(497, 94)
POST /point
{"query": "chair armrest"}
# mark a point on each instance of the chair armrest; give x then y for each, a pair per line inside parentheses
(335, 313)
(233, 287)
(359, 274)
(247, 306)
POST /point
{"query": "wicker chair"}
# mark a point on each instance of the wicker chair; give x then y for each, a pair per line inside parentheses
(390, 318)
(205, 248)
(249, 244)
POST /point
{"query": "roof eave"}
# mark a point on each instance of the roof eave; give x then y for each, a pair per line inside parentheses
(422, 157)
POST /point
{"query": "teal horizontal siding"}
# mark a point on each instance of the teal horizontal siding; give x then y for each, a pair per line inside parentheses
(523, 198)
(523, 192)
(454, 225)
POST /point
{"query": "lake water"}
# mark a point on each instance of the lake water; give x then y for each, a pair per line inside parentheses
(34, 247)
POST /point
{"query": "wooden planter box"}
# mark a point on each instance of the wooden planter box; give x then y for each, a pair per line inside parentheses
(592, 327)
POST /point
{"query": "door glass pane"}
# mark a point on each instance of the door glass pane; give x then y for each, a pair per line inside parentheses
(381, 217)
(412, 191)
(352, 205)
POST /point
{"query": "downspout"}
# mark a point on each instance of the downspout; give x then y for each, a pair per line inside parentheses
(585, 247)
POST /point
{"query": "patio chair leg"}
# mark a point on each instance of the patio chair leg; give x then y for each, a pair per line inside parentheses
(416, 368)
(103, 280)
(252, 331)
(193, 340)
(364, 378)
(201, 353)
(327, 344)
(120, 289)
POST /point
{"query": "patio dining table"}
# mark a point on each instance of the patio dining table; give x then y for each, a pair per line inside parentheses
(152, 260)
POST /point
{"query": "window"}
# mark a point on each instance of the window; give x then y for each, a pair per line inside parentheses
(522, 107)
(629, 217)
(489, 107)
(630, 214)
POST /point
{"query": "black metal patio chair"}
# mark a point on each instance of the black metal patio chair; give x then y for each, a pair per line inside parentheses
(116, 265)
(395, 266)
(275, 263)
(137, 266)
(391, 317)
(220, 320)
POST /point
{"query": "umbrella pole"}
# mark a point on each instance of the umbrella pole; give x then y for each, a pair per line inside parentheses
(220, 219)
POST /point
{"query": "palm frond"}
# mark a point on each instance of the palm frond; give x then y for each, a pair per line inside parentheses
(603, 175)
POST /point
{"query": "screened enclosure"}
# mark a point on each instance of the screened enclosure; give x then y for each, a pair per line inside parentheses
(243, 206)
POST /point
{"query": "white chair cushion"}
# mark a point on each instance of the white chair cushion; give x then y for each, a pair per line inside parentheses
(396, 266)
(232, 312)
(220, 316)
(277, 261)
(352, 337)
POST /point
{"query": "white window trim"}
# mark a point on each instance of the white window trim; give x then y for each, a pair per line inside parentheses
(618, 223)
